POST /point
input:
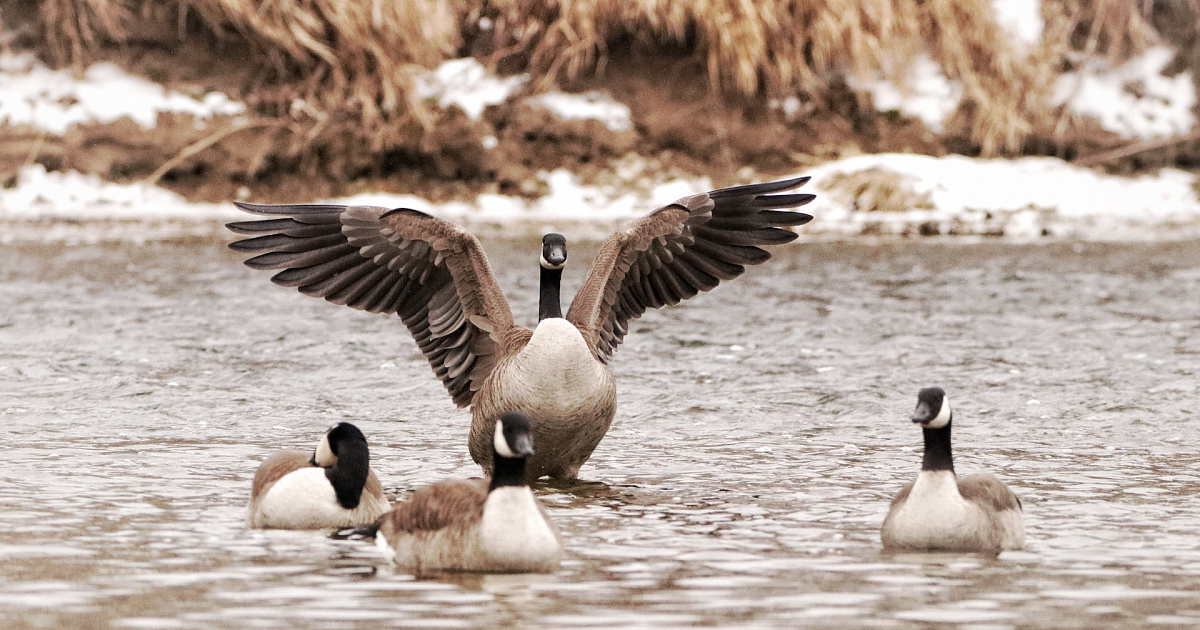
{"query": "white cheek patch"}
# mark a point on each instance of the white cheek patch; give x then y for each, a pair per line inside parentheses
(943, 417)
(324, 455)
(546, 264)
(501, 444)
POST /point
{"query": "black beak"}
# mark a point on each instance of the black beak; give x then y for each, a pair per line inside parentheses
(923, 414)
(523, 445)
(555, 255)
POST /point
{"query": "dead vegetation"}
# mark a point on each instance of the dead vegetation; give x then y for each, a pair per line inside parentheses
(337, 75)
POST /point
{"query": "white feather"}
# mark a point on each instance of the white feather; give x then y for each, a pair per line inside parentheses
(304, 499)
(513, 531)
(558, 372)
(500, 443)
(324, 455)
(943, 417)
(385, 546)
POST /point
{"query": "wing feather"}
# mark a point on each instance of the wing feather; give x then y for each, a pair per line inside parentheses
(431, 273)
(680, 250)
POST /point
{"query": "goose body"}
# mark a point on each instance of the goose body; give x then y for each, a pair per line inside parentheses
(435, 276)
(494, 526)
(569, 396)
(943, 512)
(331, 487)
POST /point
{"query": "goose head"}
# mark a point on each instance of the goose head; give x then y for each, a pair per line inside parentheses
(335, 441)
(554, 251)
(514, 437)
(933, 409)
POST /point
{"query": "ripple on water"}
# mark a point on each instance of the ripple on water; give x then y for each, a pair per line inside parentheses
(743, 484)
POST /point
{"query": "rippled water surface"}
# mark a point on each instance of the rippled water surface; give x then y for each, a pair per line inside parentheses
(761, 432)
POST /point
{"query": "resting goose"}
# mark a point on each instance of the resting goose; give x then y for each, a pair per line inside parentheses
(476, 525)
(331, 487)
(942, 512)
(434, 275)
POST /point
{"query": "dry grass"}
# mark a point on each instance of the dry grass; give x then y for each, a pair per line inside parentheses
(339, 57)
(876, 190)
(780, 48)
(354, 59)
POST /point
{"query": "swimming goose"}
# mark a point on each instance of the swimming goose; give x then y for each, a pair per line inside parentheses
(331, 487)
(942, 512)
(434, 275)
(476, 525)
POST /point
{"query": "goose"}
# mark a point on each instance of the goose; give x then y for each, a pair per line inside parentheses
(435, 276)
(331, 487)
(477, 525)
(943, 512)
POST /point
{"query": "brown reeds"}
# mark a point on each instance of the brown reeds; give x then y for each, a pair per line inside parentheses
(336, 56)
(355, 59)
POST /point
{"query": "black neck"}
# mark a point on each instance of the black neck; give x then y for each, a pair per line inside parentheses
(549, 305)
(507, 471)
(937, 450)
(349, 474)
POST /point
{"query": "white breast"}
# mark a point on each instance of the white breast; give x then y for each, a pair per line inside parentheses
(515, 534)
(934, 516)
(557, 369)
(304, 499)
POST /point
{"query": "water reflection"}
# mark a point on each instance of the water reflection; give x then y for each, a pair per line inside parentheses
(752, 460)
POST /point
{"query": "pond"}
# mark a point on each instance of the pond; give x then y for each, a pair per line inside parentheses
(760, 434)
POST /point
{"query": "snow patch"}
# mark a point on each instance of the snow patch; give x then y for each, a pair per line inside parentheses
(1021, 18)
(1026, 197)
(567, 200)
(467, 84)
(594, 105)
(54, 100)
(925, 93)
(40, 195)
(1133, 99)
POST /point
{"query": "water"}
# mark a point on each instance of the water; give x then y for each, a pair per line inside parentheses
(761, 432)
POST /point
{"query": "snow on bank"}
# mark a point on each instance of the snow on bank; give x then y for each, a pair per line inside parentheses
(1022, 198)
(467, 84)
(1134, 99)
(871, 194)
(54, 100)
(594, 105)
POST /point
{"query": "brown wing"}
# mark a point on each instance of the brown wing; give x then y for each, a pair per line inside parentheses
(275, 467)
(987, 489)
(679, 250)
(437, 506)
(430, 272)
(372, 487)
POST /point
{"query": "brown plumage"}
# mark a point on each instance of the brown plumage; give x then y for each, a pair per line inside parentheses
(434, 275)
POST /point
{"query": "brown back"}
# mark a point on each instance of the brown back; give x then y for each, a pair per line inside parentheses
(986, 489)
(441, 505)
(275, 467)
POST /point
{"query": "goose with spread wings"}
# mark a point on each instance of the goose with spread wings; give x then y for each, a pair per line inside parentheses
(434, 275)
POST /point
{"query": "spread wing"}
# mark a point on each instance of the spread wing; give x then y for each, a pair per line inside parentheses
(430, 272)
(679, 250)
